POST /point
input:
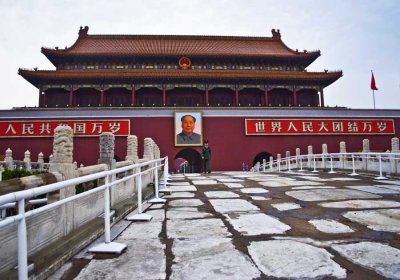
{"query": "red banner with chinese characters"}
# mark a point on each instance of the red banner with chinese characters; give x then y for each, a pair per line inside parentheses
(318, 126)
(45, 128)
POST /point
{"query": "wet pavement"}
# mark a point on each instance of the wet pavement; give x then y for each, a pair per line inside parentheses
(237, 225)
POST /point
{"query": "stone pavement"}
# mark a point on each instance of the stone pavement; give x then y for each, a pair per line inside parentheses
(238, 225)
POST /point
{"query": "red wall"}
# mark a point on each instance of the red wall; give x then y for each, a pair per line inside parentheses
(226, 135)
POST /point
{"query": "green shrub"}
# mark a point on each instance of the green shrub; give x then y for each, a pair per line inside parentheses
(17, 173)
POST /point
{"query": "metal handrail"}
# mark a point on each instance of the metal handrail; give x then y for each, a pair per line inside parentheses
(21, 196)
(330, 156)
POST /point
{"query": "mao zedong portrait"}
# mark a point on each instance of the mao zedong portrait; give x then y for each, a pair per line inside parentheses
(188, 136)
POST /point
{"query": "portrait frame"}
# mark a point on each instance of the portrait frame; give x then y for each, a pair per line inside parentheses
(196, 139)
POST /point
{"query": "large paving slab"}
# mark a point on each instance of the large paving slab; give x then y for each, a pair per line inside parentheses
(361, 204)
(330, 226)
(185, 202)
(294, 260)
(211, 259)
(199, 228)
(331, 194)
(254, 190)
(373, 189)
(182, 188)
(141, 260)
(256, 224)
(381, 258)
(221, 194)
(232, 205)
(286, 206)
(381, 219)
(186, 213)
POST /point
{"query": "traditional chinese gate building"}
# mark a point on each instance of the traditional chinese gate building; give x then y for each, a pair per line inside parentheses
(254, 94)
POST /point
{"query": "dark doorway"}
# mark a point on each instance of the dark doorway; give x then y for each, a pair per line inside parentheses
(188, 160)
(260, 157)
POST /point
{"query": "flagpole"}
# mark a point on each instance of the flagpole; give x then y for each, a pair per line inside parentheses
(373, 94)
(373, 86)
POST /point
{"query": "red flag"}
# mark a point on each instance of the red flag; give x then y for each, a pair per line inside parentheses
(373, 85)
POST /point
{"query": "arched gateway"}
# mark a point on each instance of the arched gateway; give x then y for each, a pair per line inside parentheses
(261, 156)
(188, 160)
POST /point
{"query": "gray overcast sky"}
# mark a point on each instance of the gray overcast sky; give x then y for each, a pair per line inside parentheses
(355, 36)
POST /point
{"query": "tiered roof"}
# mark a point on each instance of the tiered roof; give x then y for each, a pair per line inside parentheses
(63, 76)
(174, 46)
(177, 46)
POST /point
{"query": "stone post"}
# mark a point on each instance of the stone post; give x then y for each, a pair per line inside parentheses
(287, 159)
(148, 152)
(107, 145)
(157, 153)
(132, 149)
(9, 160)
(309, 156)
(271, 162)
(278, 161)
(27, 161)
(342, 146)
(324, 154)
(62, 163)
(298, 153)
(395, 149)
(62, 157)
(40, 161)
(106, 149)
(366, 149)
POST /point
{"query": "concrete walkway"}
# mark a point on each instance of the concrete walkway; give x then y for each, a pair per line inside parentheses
(259, 226)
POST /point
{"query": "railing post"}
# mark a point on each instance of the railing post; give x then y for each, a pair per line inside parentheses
(289, 165)
(107, 246)
(165, 189)
(354, 166)
(107, 234)
(380, 177)
(157, 199)
(331, 172)
(22, 243)
(315, 167)
(301, 164)
(139, 216)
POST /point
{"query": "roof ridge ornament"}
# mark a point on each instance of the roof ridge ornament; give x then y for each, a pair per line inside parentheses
(83, 31)
(276, 34)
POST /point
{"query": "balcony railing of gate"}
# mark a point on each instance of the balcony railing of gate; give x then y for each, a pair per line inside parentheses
(377, 163)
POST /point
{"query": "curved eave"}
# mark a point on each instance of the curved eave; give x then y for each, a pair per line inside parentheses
(40, 77)
(59, 56)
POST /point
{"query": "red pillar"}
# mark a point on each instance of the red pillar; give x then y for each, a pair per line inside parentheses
(133, 96)
(164, 96)
(71, 97)
(294, 97)
(206, 96)
(40, 98)
(236, 96)
(266, 101)
(321, 93)
(102, 99)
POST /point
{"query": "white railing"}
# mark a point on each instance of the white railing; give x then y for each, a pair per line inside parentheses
(380, 163)
(21, 196)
